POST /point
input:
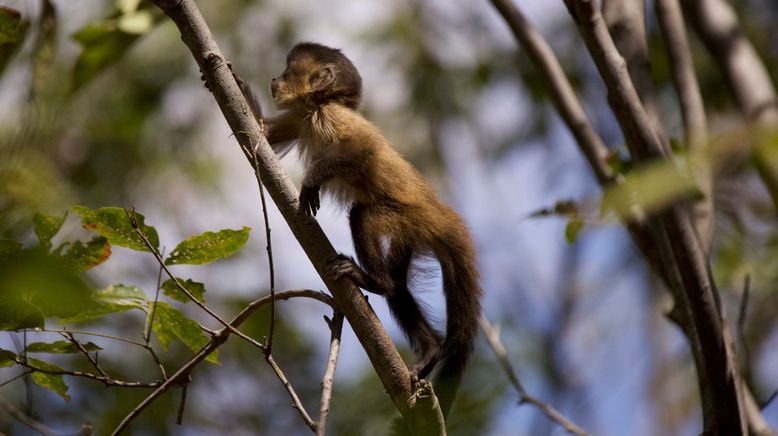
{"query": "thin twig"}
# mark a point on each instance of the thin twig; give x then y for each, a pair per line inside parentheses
(269, 247)
(99, 335)
(493, 338)
(153, 308)
(92, 360)
(108, 381)
(296, 403)
(16, 377)
(327, 381)
(181, 287)
(24, 419)
(216, 340)
(182, 405)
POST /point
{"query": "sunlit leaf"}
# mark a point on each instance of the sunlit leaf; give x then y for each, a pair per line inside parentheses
(83, 256)
(114, 223)
(113, 299)
(46, 226)
(136, 23)
(127, 6)
(197, 289)
(169, 323)
(208, 247)
(54, 382)
(60, 347)
(649, 188)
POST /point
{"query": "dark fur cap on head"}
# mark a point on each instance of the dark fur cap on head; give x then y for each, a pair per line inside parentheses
(347, 88)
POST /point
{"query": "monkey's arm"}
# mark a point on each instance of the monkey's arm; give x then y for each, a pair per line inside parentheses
(336, 162)
(248, 94)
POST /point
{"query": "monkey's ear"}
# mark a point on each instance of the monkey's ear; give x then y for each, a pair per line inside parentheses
(323, 78)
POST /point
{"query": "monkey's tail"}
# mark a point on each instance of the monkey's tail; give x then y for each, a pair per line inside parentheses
(463, 307)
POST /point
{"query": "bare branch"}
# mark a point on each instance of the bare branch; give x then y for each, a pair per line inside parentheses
(626, 20)
(296, 403)
(493, 338)
(327, 381)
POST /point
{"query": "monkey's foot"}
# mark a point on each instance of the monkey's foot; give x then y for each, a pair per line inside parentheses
(342, 266)
(423, 367)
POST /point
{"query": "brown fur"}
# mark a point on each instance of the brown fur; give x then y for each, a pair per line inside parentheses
(394, 213)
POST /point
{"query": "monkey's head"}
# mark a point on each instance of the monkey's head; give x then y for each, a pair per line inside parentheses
(316, 74)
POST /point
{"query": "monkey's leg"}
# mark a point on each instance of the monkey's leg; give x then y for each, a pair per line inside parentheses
(389, 276)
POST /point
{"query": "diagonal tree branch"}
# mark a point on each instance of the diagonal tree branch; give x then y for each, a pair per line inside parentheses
(668, 13)
(626, 20)
(381, 351)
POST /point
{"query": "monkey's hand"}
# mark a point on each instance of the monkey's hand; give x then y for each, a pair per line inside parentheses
(309, 200)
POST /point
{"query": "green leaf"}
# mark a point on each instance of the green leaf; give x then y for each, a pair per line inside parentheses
(113, 299)
(7, 358)
(54, 382)
(574, 226)
(60, 347)
(650, 188)
(46, 226)
(197, 289)
(114, 223)
(83, 256)
(169, 323)
(208, 247)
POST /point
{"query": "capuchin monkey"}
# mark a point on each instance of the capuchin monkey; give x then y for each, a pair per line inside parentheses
(394, 213)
